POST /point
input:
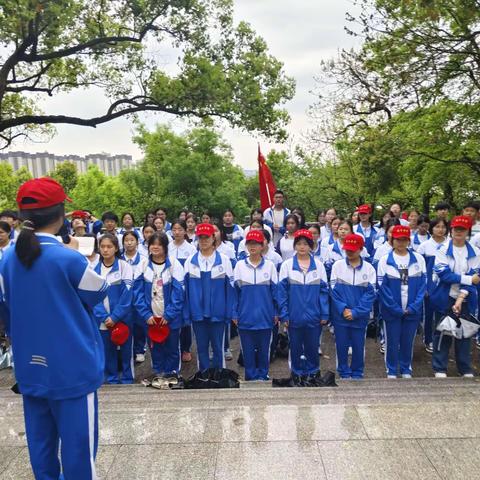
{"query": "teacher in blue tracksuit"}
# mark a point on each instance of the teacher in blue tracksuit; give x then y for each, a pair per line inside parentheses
(47, 292)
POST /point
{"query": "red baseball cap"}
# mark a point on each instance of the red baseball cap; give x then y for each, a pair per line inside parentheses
(119, 333)
(158, 333)
(255, 236)
(79, 214)
(401, 231)
(353, 242)
(461, 221)
(40, 193)
(204, 229)
(303, 233)
(364, 209)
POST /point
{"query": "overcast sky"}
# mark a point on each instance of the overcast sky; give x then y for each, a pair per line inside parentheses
(300, 33)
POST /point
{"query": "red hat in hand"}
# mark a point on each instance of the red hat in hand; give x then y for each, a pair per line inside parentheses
(364, 209)
(119, 333)
(79, 214)
(462, 221)
(40, 193)
(304, 233)
(204, 229)
(158, 333)
(401, 231)
(353, 242)
(255, 236)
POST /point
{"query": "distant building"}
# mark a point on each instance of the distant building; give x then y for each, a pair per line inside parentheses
(40, 164)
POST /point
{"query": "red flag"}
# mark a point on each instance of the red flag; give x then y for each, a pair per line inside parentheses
(267, 184)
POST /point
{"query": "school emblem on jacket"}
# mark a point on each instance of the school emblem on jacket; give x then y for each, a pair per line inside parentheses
(220, 268)
(265, 275)
(365, 276)
(314, 274)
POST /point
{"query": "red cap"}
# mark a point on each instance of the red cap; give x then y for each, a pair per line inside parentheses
(255, 236)
(119, 333)
(158, 333)
(79, 214)
(353, 242)
(303, 233)
(40, 193)
(364, 209)
(462, 221)
(401, 231)
(205, 229)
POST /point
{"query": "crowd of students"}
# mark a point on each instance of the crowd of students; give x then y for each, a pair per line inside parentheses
(193, 278)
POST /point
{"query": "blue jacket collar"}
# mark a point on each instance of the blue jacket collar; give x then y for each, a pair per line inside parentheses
(336, 248)
(390, 260)
(470, 251)
(47, 237)
(355, 268)
(168, 263)
(261, 264)
(218, 259)
(115, 266)
(296, 265)
(416, 241)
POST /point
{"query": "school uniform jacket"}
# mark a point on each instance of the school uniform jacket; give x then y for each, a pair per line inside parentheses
(336, 252)
(429, 251)
(415, 241)
(268, 218)
(182, 252)
(352, 288)
(58, 349)
(389, 284)
(369, 241)
(118, 303)
(444, 277)
(237, 236)
(255, 299)
(303, 299)
(208, 294)
(173, 292)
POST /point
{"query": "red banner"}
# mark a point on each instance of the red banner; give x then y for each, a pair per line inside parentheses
(266, 182)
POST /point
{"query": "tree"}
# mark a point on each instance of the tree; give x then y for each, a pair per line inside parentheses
(9, 183)
(66, 174)
(223, 71)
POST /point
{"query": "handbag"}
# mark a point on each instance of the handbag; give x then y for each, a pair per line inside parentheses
(458, 326)
(470, 325)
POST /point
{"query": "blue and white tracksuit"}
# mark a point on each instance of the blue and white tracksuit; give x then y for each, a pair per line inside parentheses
(165, 356)
(227, 249)
(269, 219)
(117, 305)
(138, 264)
(236, 237)
(11, 243)
(209, 297)
(452, 275)
(285, 247)
(255, 309)
(354, 289)
(336, 252)
(303, 303)
(416, 240)
(369, 234)
(429, 250)
(58, 355)
(401, 320)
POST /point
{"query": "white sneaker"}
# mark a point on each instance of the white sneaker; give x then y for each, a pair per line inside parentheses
(320, 350)
(350, 351)
(139, 357)
(392, 377)
(382, 348)
(228, 354)
(406, 375)
(468, 375)
(440, 375)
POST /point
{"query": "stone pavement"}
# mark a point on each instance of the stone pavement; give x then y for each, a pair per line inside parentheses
(370, 429)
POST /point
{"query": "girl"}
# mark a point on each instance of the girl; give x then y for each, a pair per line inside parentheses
(413, 220)
(147, 231)
(321, 218)
(182, 214)
(300, 215)
(94, 258)
(303, 304)
(159, 300)
(269, 252)
(162, 213)
(326, 230)
(456, 275)
(330, 240)
(159, 224)
(402, 286)
(209, 297)
(128, 224)
(231, 231)
(206, 217)
(58, 354)
(257, 215)
(242, 250)
(149, 217)
(79, 229)
(352, 286)
(386, 247)
(285, 246)
(254, 311)
(381, 236)
(138, 263)
(191, 224)
(365, 227)
(116, 308)
(421, 235)
(439, 231)
(355, 218)
(222, 246)
(315, 231)
(5, 241)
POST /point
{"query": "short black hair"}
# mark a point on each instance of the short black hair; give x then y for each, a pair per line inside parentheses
(110, 216)
(131, 215)
(133, 233)
(267, 235)
(9, 213)
(278, 192)
(435, 222)
(161, 238)
(472, 204)
(308, 240)
(5, 226)
(289, 217)
(442, 206)
(423, 219)
(113, 239)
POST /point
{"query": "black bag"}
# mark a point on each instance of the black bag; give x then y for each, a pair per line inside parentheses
(317, 380)
(213, 378)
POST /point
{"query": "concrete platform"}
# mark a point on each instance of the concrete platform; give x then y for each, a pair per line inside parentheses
(369, 429)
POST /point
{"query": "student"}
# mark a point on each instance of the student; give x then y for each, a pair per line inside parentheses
(58, 353)
(321, 218)
(182, 214)
(275, 216)
(300, 215)
(413, 217)
(79, 227)
(352, 286)
(162, 213)
(438, 229)
(402, 286)
(303, 304)
(285, 246)
(191, 223)
(242, 248)
(231, 231)
(209, 297)
(386, 247)
(115, 309)
(109, 225)
(222, 246)
(206, 217)
(159, 223)
(5, 241)
(257, 215)
(365, 227)
(381, 236)
(471, 210)
(317, 248)
(269, 253)
(355, 218)
(396, 211)
(456, 275)
(94, 258)
(147, 231)
(255, 311)
(422, 234)
(159, 300)
(128, 224)
(149, 217)
(442, 210)
(330, 240)
(11, 217)
(138, 263)
(326, 230)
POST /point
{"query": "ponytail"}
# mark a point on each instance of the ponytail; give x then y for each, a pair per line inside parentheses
(27, 246)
